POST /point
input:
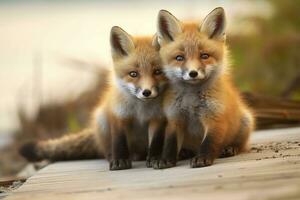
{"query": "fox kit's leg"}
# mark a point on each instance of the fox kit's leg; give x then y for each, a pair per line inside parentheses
(185, 154)
(173, 141)
(208, 152)
(138, 141)
(241, 139)
(246, 128)
(209, 149)
(120, 151)
(156, 134)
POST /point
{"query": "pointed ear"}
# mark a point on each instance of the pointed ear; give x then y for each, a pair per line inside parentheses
(121, 42)
(214, 24)
(167, 27)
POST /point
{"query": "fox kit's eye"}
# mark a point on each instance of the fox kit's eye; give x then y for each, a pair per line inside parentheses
(133, 74)
(179, 58)
(157, 72)
(204, 56)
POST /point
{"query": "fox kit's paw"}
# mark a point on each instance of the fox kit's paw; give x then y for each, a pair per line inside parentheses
(163, 164)
(118, 164)
(201, 161)
(151, 161)
(228, 152)
(30, 151)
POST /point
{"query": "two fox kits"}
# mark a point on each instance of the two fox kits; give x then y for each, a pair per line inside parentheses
(164, 96)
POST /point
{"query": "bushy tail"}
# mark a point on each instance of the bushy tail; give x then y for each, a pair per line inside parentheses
(77, 146)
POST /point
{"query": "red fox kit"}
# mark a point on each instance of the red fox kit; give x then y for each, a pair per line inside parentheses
(205, 112)
(130, 104)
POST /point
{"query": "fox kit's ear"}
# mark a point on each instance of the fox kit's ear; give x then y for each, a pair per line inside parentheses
(121, 42)
(167, 27)
(214, 24)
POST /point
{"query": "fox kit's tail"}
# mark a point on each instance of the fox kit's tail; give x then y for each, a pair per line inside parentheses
(69, 147)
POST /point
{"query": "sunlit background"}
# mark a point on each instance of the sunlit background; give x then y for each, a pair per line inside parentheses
(50, 52)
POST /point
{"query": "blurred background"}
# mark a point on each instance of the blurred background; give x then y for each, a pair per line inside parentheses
(52, 52)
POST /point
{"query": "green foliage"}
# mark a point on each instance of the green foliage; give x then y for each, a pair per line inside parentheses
(269, 60)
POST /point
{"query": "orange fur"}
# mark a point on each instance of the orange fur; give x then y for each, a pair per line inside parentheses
(119, 123)
(207, 104)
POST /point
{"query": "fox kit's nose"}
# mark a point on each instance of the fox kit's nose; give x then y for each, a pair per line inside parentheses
(193, 74)
(147, 93)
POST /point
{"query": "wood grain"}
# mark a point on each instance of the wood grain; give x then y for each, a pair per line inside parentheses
(271, 170)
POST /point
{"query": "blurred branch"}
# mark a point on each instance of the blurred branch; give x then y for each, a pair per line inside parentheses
(272, 111)
(293, 86)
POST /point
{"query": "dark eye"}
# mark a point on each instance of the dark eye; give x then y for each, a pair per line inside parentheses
(157, 72)
(179, 58)
(133, 74)
(204, 56)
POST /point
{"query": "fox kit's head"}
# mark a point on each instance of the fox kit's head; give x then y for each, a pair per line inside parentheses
(137, 64)
(192, 52)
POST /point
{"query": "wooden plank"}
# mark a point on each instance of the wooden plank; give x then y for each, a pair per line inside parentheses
(271, 170)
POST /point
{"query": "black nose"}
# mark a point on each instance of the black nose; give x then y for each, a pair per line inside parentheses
(146, 93)
(193, 74)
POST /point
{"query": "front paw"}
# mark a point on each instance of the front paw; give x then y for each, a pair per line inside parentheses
(163, 164)
(151, 161)
(228, 152)
(201, 161)
(119, 164)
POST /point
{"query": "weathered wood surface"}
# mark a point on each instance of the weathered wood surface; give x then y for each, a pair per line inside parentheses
(270, 171)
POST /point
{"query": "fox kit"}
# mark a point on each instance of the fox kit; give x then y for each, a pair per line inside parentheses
(129, 106)
(205, 112)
